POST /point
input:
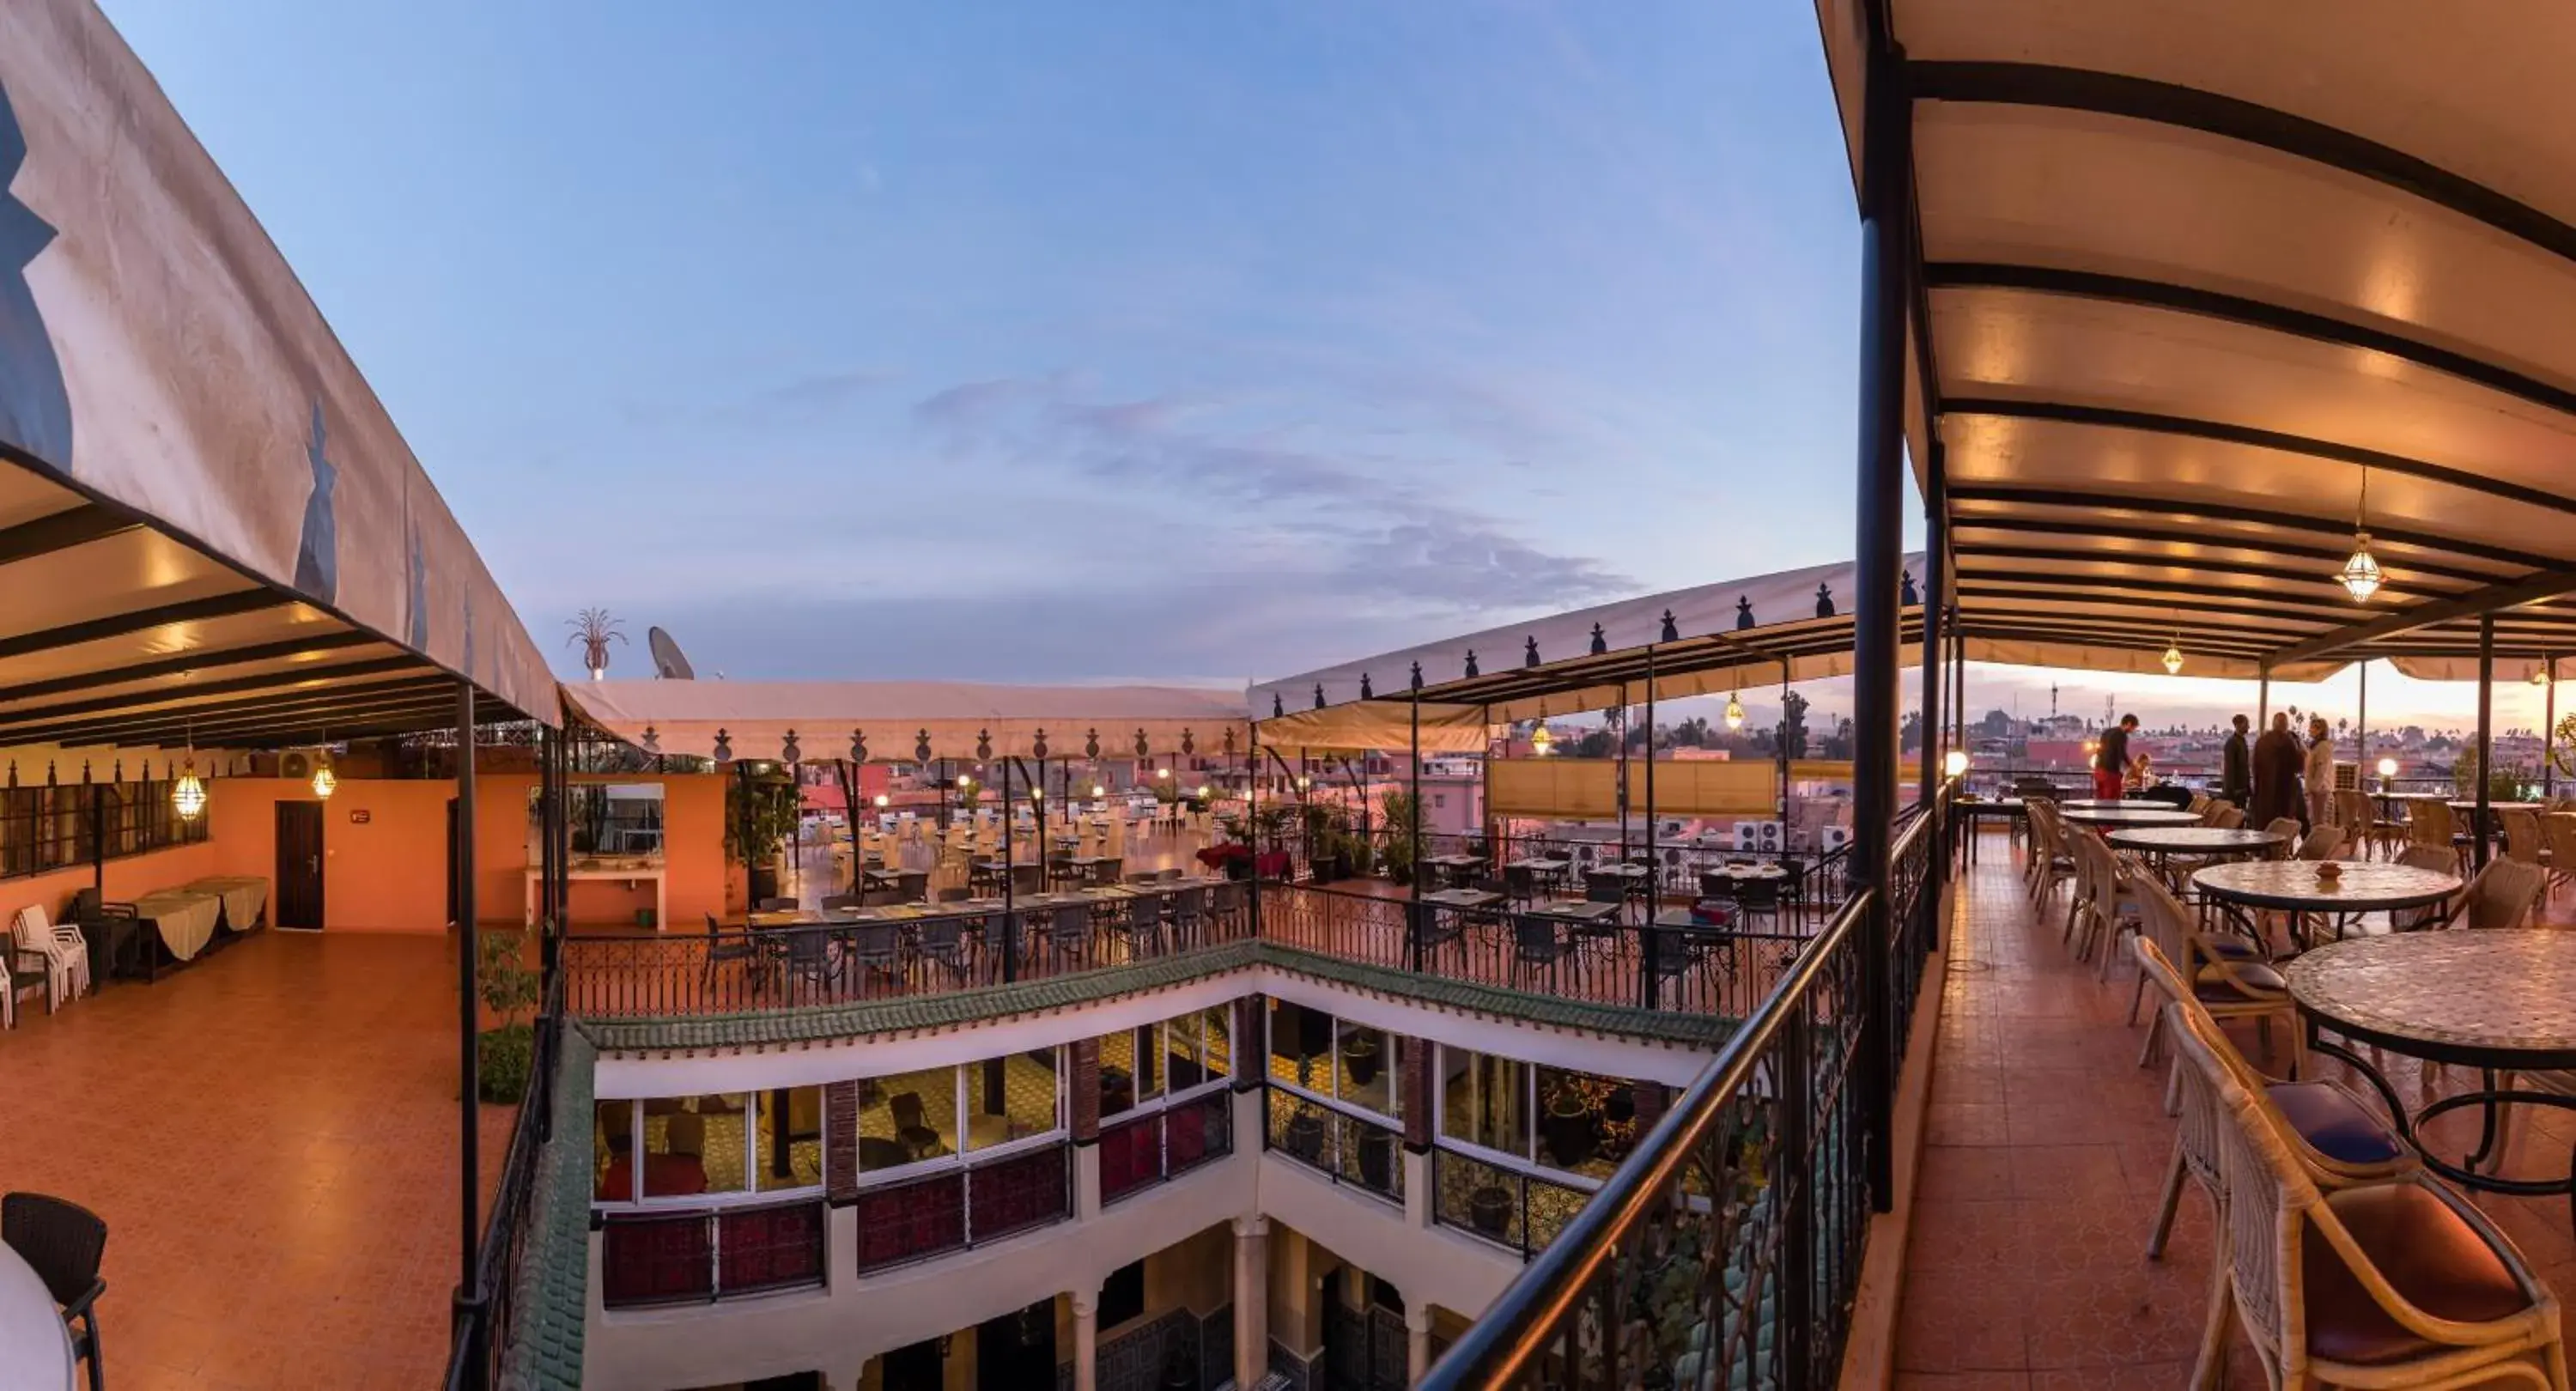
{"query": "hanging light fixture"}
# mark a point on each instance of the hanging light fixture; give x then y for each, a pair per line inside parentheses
(1098, 792)
(2361, 575)
(325, 782)
(1734, 711)
(2540, 675)
(1541, 741)
(2173, 657)
(188, 795)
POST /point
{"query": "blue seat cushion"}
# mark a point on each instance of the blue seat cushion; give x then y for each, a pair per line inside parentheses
(2334, 1122)
(2219, 984)
(2233, 948)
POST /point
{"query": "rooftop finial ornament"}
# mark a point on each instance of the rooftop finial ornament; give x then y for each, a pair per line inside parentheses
(652, 739)
(724, 747)
(1038, 749)
(1905, 595)
(1417, 676)
(1142, 748)
(1743, 613)
(1278, 708)
(1600, 640)
(858, 746)
(1365, 692)
(789, 752)
(1824, 601)
(1319, 695)
(1188, 745)
(595, 630)
(983, 745)
(1529, 652)
(921, 747)
(1229, 741)
(1672, 631)
(1471, 662)
(1091, 743)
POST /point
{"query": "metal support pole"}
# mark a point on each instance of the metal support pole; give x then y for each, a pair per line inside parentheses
(2486, 747)
(1887, 153)
(1011, 933)
(1623, 770)
(1648, 957)
(1936, 542)
(469, 1169)
(2361, 752)
(2548, 725)
(2262, 704)
(1252, 826)
(1413, 823)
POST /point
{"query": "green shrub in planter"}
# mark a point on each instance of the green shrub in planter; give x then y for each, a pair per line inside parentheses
(503, 1059)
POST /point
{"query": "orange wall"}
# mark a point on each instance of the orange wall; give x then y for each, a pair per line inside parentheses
(126, 878)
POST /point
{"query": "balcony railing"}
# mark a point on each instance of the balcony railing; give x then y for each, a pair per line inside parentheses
(1349, 1149)
(900, 1223)
(1138, 1153)
(649, 1258)
(484, 1333)
(1726, 1250)
(1511, 1207)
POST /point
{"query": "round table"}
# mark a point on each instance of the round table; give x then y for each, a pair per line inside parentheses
(35, 1346)
(2292, 886)
(2107, 803)
(2129, 816)
(2499, 1000)
(2162, 843)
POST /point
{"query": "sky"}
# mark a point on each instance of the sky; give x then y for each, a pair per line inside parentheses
(1075, 342)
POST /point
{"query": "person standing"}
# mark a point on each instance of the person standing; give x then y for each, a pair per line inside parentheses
(2236, 767)
(2320, 773)
(2111, 759)
(2277, 765)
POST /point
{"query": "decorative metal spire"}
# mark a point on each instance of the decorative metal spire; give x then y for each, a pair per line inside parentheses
(1672, 631)
(1600, 643)
(1471, 662)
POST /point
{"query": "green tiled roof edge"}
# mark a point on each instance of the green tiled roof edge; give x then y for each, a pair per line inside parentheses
(551, 1287)
(756, 1028)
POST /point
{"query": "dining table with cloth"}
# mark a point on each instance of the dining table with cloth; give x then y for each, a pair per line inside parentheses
(245, 897)
(185, 918)
(35, 1344)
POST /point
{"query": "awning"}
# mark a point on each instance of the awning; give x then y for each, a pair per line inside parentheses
(209, 526)
(2191, 271)
(911, 721)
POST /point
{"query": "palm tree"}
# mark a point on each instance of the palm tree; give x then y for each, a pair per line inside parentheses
(595, 630)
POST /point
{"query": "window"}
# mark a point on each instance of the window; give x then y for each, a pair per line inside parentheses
(1163, 1106)
(1484, 1100)
(1333, 1059)
(1151, 1063)
(50, 826)
(1553, 1118)
(716, 1145)
(1122, 1295)
(1011, 1098)
(908, 1118)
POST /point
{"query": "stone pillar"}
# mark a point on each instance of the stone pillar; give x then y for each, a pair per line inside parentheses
(1413, 1100)
(1251, 1300)
(841, 1142)
(1086, 1339)
(1082, 1086)
(1417, 1342)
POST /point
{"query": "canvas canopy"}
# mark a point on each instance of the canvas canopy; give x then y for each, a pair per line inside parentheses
(209, 527)
(909, 721)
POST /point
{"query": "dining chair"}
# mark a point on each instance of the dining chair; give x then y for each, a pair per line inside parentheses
(1068, 933)
(872, 949)
(809, 957)
(2225, 985)
(1536, 946)
(2210, 808)
(2288, 828)
(2352, 812)
(842, 903)
(722, 947)
(63, 1243)
(2503, 895)
(946, 945)
(2321, 843)
(777, 905)
(1189, 911)
(1520, 885)
(2560, 829)
(2523, 838)
(2395, 1284)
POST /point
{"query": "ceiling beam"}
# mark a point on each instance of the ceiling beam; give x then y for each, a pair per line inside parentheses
(61, 531)
(2252, 313)
(2165, 103)
(1970, 589)
(2502, 596)
(336, 723)
(2060, 580)
(297, 677)
(204, 659)
(286, 703)
(2148, 560)
(2097, 503)
(2103, 529)
(2152, 422)
(118, 625)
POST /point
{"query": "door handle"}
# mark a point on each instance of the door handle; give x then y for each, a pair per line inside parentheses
(317, 864)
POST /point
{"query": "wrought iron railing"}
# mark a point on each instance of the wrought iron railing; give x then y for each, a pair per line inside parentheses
(486, 1328)
(1349, 1149)
(1726, 1250)
(1511, 1207)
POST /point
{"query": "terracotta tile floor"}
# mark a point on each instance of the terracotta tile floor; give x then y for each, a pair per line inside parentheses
(2046, 1148)
(271, 1137)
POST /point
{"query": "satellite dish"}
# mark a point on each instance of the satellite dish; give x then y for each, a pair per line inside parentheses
(667, 661)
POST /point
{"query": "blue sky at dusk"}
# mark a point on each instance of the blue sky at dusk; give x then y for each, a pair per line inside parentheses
(1051, 342)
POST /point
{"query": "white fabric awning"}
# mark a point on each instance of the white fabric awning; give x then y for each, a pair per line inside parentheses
(905, 721)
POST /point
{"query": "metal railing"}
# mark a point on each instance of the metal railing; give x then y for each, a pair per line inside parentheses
(486, 1329)
(1726, 1250)
(1351, 1150)
(1139, 1152)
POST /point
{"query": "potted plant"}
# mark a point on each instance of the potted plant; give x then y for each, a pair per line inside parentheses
(1489, 1209)
(1398, 856)
(1571, 1125)
(506, 1053)
(1360, 1059)
(1304, 1135)
(760, 813)
(1377, 1159)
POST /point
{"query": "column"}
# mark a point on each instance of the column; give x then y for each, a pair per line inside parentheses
(1417, 1342)
(1086, 1339)
(1083, 1087)
(1251, 1300)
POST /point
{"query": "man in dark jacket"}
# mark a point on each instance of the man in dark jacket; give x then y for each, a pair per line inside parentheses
(2111, 760)
(2236, 767)
(2278, 764)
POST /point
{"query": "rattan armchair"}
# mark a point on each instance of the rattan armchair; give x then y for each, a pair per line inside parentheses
(2225, 985)
(2503, 895)
(2321, 843)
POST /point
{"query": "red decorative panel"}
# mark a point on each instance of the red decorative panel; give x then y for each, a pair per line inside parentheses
(1131, 1156)
(656, 1260)
(1013, 1195)
(1198, 1132)
(908, 1221)
(769, 1248)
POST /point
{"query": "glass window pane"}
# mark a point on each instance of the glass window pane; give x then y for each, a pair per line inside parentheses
(1011, 1099)
(1117, 1072)
(1181, 1065)
(907, 1118)
(1580, 1119)
(612, 1144)
(790, 1148)
(1484, 1101)
(1367, 1068)
(1149, 1061)
(694, 1144)
(1301, 1046)
(1217, 1025)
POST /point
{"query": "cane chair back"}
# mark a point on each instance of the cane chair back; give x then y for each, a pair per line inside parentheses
(2503, 894)
(2229, 817)
(2523, 838)
(2212, 808)
(2321, 843)
(2287, 827)
(2430, 823)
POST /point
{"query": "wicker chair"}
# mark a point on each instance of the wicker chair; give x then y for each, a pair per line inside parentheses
(2225, 984)
(2110, 903)
(2523, 838)
(2394, 1284)
(2560, 828)
(2432, 825)
(62, 1242)
(2228, 817)
(2287, 827)
(2210, 809)
(2321, 843)
(2049, 859)
(2503, 895)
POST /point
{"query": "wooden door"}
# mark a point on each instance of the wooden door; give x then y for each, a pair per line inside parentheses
(299, 865)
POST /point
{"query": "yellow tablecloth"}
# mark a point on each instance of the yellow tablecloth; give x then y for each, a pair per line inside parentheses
(185, 918)
(245, 897)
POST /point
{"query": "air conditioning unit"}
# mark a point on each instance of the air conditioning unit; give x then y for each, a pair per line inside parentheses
(297, 765)
(1758, 837)
(1836, 837)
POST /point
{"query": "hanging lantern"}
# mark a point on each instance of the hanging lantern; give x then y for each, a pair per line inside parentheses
(1541, 741)
(188, 796)
(325, 782)
(1734, 711)
(2540, 675)
(2173, 657)
(2360, 574)
(1097, 791)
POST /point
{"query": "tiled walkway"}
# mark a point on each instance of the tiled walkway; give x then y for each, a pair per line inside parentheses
(2046, 1148)
(271, 1138)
